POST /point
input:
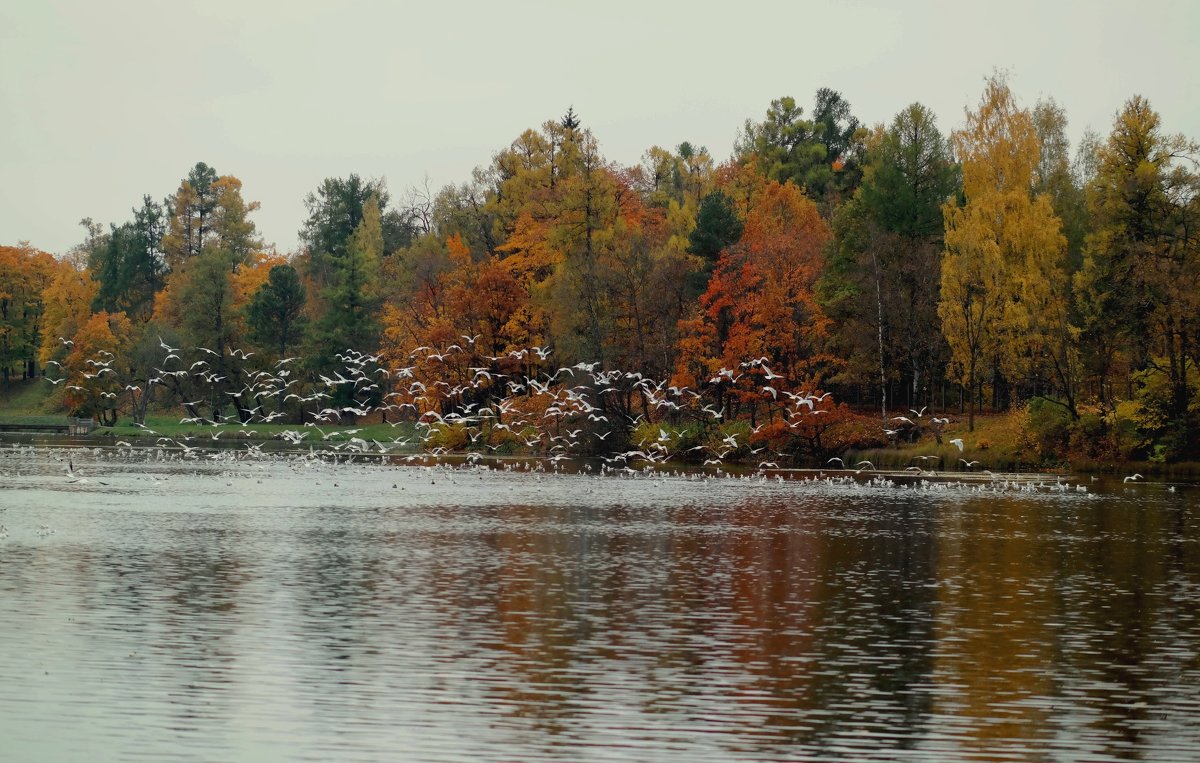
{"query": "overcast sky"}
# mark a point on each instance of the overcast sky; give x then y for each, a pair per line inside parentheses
(103, 102)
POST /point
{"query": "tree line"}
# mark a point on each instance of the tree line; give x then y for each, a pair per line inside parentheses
(896, 266)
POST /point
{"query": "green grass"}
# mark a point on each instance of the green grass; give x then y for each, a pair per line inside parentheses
(170, 426)
(30, 402)
(25, 402)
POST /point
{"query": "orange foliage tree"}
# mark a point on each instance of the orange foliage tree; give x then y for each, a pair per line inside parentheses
(93, 384)
(25, 273)
(68, 300)
(451, 317)
(813, 433)
(759, 304)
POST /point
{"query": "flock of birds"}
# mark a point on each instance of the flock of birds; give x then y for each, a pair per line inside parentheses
(455, 404)
(123, 468)
(106, 467)
(458, 398)
(460, 401)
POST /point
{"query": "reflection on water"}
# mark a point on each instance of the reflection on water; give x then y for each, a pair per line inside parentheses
(218, 610)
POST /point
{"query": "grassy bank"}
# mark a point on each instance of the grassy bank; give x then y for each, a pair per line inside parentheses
(999, 444)
(996, 445)
(26, 402)
(29, 402)
(170, 426)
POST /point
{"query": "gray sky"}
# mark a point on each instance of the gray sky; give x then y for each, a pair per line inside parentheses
(106, 101)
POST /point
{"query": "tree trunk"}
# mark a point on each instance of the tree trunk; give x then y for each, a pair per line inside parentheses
(879, 338)
(971, 397)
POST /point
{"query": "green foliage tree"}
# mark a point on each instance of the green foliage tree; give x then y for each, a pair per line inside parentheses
(274, 314)
(820, 154)
(717, 226)
(351, 320)
(1140, 280)
(206, 302)
(882, 282)
(130, 265)
(336, 210)
(910, 174)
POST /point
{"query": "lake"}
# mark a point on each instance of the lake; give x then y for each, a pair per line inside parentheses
(240, 606)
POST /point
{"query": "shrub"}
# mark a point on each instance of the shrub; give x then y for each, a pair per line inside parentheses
(1126, 436)
(665, 438)
(1089, 437)
(813, 438)
(449, 436)
(1048, 428)
(1166, 429)
(1107, 436)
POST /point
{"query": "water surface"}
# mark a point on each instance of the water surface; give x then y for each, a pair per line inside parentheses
(276, 608)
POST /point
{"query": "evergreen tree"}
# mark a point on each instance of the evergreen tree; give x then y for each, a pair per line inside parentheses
(351, 320)
(717, 226)
(129, 264)
(821, 154)
(274, 313)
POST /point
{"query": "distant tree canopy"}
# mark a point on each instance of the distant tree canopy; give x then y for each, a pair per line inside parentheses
(820, 153)
(903, 265)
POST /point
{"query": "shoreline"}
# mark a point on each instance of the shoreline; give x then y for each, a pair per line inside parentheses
(984, 471)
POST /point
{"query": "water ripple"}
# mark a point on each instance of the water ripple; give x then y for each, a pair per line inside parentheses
(310, 611)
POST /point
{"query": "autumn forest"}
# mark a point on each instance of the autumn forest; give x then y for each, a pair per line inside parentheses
(880, 280)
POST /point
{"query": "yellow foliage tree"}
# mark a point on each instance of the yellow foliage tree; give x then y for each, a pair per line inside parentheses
(1004, 291)
(68, 300)
(24, 274)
